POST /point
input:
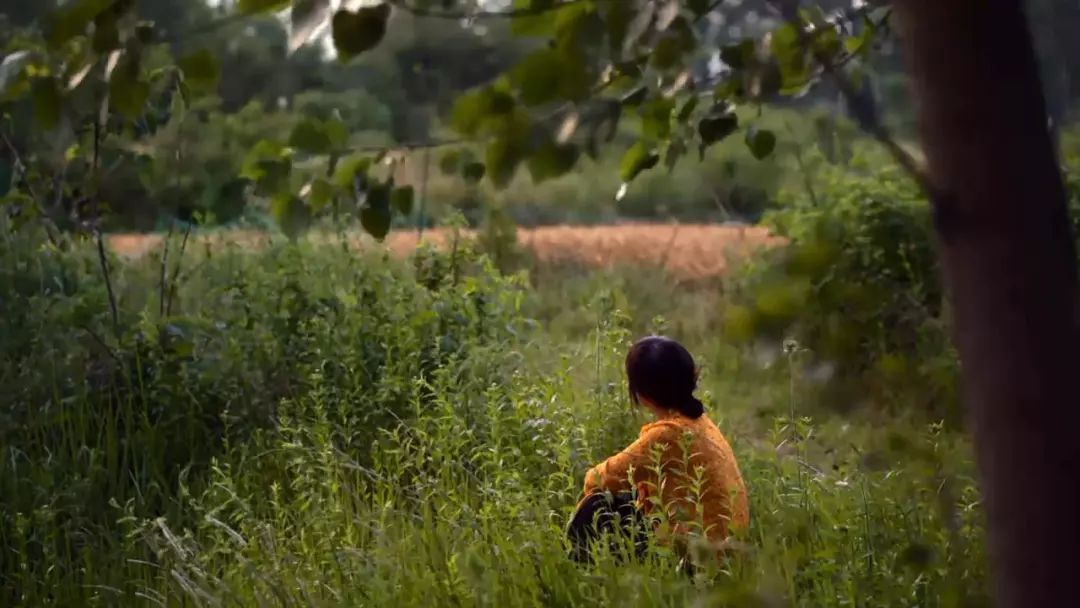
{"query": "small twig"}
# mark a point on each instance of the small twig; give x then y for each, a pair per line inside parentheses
(176, 272)
(163, 283)
(108, 279)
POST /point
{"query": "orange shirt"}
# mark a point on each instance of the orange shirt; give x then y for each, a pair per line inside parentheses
(673, 442)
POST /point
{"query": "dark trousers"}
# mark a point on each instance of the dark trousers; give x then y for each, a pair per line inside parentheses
(615, 517)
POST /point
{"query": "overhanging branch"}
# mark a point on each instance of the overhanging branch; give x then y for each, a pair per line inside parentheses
(529, 11)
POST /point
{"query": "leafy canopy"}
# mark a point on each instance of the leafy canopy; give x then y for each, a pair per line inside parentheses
(596, 63)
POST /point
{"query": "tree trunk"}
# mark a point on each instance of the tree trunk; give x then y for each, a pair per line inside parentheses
(1010, 266)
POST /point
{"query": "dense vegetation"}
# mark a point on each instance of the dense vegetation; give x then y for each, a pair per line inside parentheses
(317, 427)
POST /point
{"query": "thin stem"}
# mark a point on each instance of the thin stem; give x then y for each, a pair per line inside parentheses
(103, 260)
(102, 257)
(808, 182)
(96, 338)
(163, 282)
(176, 271)
(423, 194)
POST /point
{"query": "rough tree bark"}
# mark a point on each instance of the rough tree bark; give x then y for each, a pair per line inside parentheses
(1010, 266)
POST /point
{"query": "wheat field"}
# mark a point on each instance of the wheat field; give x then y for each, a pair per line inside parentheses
(686, 251)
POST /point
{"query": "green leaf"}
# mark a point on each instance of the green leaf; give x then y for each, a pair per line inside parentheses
(291, 214)
(738, 56)
(548, 74)
(716, 127)
(11, 70)
(827, 42)
(792, 58)
(349, 168)
(337, 132)
(47, 101)
(201, 70)
(310, 136)
(321, 194)
(474, 109)
(537, 77)
(656, 118)
(677, 41)
(402, 199)
(474, 172)
(375, 216)
(699, 7)
(360, 31)
(502, 158)
(860, 44)
(635, 97)
(268, 165)
(687, 109)
(640, 157)
(305, 20)
(552, 160)
(72, 19)
(252, 7)
(128, 92)
(761, 142)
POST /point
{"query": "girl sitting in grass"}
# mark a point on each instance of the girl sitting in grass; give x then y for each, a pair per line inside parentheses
(678, 478)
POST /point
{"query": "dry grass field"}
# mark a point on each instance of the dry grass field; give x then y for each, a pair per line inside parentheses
(687, 251)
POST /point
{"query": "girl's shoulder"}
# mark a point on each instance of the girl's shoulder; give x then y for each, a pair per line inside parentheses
(675, 425)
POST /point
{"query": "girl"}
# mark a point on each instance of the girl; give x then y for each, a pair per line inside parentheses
(680, 472)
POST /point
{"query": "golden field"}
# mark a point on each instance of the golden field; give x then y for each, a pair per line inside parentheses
(686, 251)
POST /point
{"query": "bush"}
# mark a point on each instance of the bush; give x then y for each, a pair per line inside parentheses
(858, 287)
(317, 425)
(100, 423)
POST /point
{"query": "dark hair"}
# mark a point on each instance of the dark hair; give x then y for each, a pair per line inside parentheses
(662, 370)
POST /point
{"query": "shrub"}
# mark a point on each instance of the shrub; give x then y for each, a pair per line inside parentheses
(98, 423)
(858, 286)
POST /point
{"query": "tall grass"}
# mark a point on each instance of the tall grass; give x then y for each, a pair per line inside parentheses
(315, 427)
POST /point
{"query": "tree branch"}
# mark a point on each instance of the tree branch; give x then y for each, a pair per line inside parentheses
(46, 221)
(860, 105)
(530, 11)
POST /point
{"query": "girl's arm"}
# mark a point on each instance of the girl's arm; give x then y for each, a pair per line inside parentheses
(614, 473)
